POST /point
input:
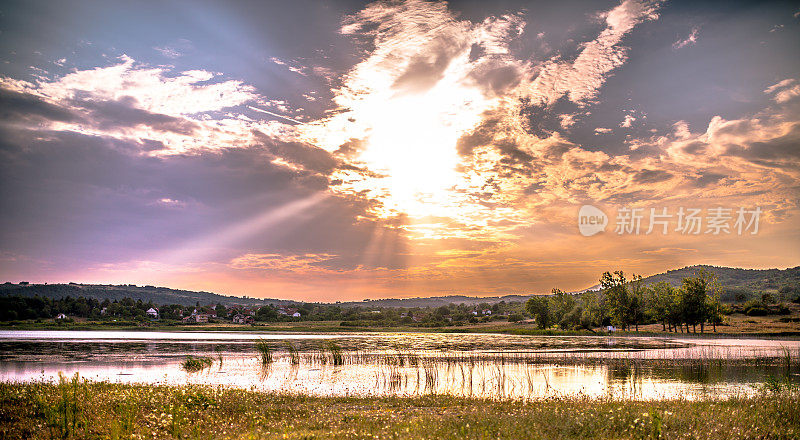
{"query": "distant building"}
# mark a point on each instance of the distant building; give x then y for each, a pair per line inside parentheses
(153, 313)
(200, 317)
(288, 312)
(242, 319)
(61, 316)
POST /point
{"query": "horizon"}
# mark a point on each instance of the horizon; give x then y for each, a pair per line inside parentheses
(390, 150)
(398, 298)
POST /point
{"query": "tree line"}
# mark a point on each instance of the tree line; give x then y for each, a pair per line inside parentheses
(627, 304)
(20, 308)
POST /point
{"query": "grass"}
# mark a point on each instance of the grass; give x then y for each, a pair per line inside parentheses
(294, 355)
(194, 364)
(736, 324)
(104, 410)
(264, 352)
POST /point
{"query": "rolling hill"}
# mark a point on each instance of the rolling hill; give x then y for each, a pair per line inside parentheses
(739, 284)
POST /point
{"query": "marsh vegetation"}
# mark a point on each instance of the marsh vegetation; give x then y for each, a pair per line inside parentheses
(74, 408)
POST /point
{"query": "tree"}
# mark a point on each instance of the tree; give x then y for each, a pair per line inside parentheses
(618, 297)
(539, 308)
(694, 298)
(594, 313)
(714, 310)
(561, 304)
(266, 313)
(636, 301)
(659, 302)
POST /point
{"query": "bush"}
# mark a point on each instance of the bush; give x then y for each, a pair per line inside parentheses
(756, 310)
(515, 317)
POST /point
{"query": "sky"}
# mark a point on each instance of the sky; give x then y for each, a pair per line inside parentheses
(340, 150)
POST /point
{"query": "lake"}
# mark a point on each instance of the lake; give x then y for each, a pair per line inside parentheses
(478, 365)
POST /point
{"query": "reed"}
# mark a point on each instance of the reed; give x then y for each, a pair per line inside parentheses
(80, 409)
(264, 352)
(336, 353)
(294, 355)
(193, 364)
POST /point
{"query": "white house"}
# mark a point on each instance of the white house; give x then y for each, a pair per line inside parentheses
(61, 316)
(152, 312)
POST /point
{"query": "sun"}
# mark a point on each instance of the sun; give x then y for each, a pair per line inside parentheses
(410, 148)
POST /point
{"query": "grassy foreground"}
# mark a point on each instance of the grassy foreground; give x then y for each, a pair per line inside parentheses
(78, 409)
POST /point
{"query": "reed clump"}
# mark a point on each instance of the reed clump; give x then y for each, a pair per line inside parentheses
(294, 354)
(336, 353)
(264, 352)
(193, 364)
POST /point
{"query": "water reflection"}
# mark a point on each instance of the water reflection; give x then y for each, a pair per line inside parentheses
(495, 366)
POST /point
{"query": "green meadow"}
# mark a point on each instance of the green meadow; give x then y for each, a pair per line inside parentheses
(75, 408)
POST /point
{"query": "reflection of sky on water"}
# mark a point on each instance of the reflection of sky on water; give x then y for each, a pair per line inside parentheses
(410, 364)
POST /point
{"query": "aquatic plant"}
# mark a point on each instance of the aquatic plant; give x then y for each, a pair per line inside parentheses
(193, 364)
(218, 350)
(264, 351)
(294, 355)
(336, 353)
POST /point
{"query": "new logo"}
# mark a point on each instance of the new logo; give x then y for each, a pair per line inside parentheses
(591, 220)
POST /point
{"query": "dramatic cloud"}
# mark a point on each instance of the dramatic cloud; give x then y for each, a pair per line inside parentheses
(406, 148)
(579, 80)
(784, 91)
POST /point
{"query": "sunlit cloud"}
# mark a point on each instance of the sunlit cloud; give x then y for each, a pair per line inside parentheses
(784, 91)
(431, 134)
(689, 40)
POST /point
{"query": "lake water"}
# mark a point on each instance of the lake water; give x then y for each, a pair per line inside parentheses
(481, 365)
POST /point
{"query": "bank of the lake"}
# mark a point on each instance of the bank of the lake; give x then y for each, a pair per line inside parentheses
(100, 410)
(738, 327)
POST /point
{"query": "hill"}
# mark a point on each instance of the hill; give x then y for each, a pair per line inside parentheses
(156, 295)
(435, 301)
(739, 285)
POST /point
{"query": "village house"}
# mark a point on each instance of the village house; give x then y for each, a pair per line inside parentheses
(199, 317)
(152, 312)
(61, 316)
(242, 319)
(288, 312)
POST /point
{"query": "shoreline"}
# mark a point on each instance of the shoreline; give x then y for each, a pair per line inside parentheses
(326, 327)
(77, 408)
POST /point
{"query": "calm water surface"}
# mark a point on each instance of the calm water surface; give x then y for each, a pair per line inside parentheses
(484, 365)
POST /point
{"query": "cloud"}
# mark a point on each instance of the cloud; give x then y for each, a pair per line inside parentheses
(281, 262)
(175, 50)
(581, 79)
(163, 111)
(16, 106)
(688, 41)
(784, 91)
(626, 123)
